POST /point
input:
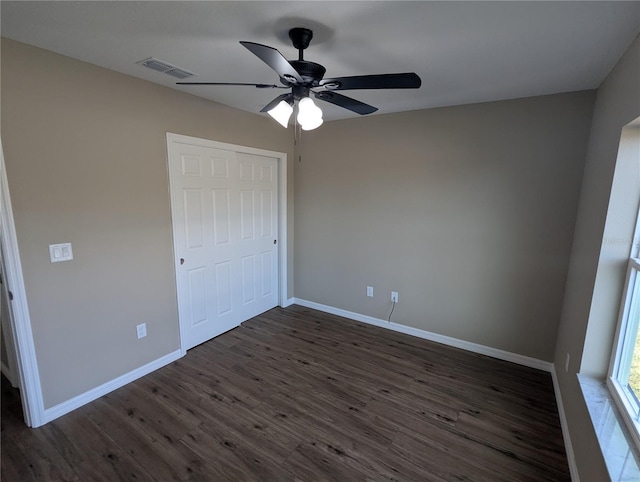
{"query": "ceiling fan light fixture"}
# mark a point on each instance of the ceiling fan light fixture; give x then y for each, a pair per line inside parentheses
(309, 114)
(313, 124)
(282, 113)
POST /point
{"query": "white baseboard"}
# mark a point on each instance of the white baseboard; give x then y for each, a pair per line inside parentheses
(288, 302)
(573, 467)
(89, 396)
(427, 335)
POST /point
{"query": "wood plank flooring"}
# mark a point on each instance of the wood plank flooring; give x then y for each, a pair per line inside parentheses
(295, 394)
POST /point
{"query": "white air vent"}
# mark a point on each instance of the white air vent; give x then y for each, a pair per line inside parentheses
(179, 73)
(165, 68)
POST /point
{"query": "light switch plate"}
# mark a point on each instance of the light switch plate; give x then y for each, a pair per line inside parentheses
(60, 252)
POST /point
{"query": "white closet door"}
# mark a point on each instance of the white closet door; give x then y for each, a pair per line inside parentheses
(226, 222)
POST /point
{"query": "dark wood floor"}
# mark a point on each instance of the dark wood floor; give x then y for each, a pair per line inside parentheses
(296, 394)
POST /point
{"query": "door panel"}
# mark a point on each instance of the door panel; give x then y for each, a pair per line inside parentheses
(221, 216)
(246, 213)
(222, 290)
(225, 217)
(194, 219)
(197, 296)
(267, 273)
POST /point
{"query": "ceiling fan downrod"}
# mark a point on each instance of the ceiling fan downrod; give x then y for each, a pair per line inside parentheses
(311, 72)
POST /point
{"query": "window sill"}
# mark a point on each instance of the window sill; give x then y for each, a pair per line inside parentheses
(619, 452)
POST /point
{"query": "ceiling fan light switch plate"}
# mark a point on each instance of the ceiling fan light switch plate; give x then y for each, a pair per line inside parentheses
(60, 252)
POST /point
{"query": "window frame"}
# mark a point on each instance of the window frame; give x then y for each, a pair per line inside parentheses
(628, 323)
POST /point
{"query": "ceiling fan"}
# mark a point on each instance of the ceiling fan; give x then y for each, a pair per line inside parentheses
(306, 78)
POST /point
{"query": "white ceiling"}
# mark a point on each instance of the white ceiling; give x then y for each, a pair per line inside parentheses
(465, 52)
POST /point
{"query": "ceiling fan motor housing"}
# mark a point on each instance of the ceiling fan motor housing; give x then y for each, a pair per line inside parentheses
(310, 72)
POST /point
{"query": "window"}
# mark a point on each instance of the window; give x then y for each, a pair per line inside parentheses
(624, 369)
(624, 379)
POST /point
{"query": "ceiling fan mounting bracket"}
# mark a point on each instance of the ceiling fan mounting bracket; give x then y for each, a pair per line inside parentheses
(301, 37)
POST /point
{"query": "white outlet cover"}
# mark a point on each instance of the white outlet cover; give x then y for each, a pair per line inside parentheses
(141, 330)
(370, 291)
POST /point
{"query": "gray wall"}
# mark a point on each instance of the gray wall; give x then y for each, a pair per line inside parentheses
(85, 152)
(468, 212)
(587, 329)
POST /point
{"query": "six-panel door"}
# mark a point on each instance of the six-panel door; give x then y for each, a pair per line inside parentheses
(226, 223)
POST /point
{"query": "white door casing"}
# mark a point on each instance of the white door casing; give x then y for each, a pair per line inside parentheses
(228, 234)
(28, 376)
(6, 325)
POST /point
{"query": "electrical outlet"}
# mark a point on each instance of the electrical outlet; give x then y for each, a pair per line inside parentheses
(566, 363)
(142, 330)
(394, 296)
(370, 291)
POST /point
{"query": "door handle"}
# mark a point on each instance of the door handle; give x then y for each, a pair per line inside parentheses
(181, 261)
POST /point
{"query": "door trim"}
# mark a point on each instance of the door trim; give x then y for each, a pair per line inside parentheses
(10, 369)
(282, 212)
(27, 365)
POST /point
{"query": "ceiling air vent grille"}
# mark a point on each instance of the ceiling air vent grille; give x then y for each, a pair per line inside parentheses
(179, 73)
(165, 68)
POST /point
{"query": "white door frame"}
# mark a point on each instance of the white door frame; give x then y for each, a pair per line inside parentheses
(22, 339)
(10, 369)
(282, 212)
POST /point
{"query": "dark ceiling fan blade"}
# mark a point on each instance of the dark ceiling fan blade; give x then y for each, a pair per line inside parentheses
(346, 102)
(407, 80)
(275, 60)
(258, 86)
(276, 101)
